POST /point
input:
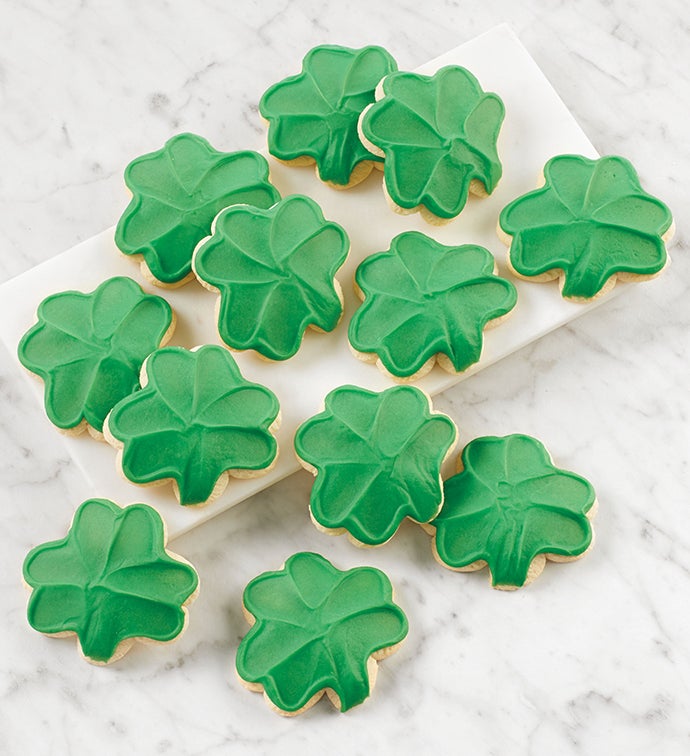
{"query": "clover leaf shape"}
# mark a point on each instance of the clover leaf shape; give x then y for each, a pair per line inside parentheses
(317, 629)
(110, 581)
(89, 348)
(195, 421)
(314, 115)
(377, 459)
(438, 135)
(425, 302)
(590, 223)
(275, 272)
(513, 509)
(176, 193)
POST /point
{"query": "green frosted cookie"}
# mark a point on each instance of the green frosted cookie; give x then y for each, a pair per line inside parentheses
(177, 191)
(313, 116)
(425, 302)
(377, 459)
(110, 582)
(196, 421)
(89, 349)
(315, 630)
(275, 272)
(588, 225)
(510, 508)
(438, 135)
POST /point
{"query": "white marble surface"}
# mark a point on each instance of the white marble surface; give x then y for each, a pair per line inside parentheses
(592, 658)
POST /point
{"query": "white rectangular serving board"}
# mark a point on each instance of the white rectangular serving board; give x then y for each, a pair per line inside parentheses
(537, 126)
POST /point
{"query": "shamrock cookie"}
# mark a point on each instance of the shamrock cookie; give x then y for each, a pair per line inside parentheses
(377, 460)
(110, 582)
(196, 421)
(88, 349)
(315, 630)
(438, 135)
(176, 193)
(510, 508)
(425, 302)
(313, 116)
(588, 225)
(275, 272)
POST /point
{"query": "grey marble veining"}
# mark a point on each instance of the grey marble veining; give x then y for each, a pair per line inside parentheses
(594, 657)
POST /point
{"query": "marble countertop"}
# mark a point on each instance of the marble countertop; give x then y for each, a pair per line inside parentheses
(592, 658)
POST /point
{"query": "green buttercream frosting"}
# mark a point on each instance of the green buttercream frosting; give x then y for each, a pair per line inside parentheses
(274, 270)
(315, 113)
(509, 505)
(89, 348)
(195, 419)
(590, 221)
(176, 193)
(377, 458)
(110, 580)
(423, 299)
(315, 629)
(438, 133)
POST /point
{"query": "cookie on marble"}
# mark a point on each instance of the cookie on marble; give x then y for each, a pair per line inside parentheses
(195, 422)
(177, 191)
(589, 225)
(377, 460)
(424, 303)
(312, 117)
(316, 629)
(511, 509)
(111, 582)
(274, 271)
(438, 135)
(88, 349)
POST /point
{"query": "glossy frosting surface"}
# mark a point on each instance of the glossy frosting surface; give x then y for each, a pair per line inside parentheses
(315, 113)
(509, 504)
(591, 219)
(316, 627)
(438, 133)
(109, 580)
(274, 270)
(89, 348)
(423, 298)
(176, 193)
(195, 418)
(377, 458)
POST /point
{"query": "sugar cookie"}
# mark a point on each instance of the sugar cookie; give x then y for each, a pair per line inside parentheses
(315, 630)
(110, 582)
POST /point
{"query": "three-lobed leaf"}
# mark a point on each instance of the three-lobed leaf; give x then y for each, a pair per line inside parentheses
(274, 270)
(110, 580)
(422, 299)
(315, 113)
(89, 348)
(438, 134)
(176, 193)
(195, 419)
(315, 628)
(591, 220)
(509, 505)
(377, 459)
